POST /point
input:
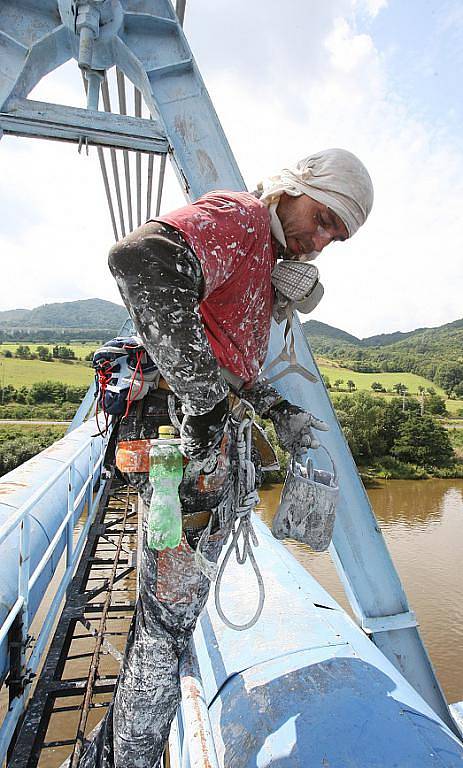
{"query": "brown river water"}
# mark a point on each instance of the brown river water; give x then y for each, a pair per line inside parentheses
(422, 522)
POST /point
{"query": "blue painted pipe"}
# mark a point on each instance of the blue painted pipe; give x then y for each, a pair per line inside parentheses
(305, 686)
(16, 488)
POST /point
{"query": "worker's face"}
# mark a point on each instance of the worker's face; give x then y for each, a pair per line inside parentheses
(308, 226)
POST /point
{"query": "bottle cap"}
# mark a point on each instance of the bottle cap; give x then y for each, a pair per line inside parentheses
(167, 431)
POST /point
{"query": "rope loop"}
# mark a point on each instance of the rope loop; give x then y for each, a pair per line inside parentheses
(246, 500)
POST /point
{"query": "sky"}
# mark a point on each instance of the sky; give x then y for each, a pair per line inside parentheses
(381, 78)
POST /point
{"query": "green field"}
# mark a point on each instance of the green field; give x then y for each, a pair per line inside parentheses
(81, 348)
(365, 380)
(21, 373)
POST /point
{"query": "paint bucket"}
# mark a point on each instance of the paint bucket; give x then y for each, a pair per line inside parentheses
(307, 509)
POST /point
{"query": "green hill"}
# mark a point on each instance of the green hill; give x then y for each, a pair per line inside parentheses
(313, 328)
(433, 353)
(447, 338)
(83, 314)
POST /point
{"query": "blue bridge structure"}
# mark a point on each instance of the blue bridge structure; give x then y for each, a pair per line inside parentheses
(307, 685)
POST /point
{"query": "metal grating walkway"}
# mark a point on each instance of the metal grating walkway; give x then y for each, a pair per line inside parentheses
(78, 677)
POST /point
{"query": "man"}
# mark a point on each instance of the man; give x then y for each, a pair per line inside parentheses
(198, 286)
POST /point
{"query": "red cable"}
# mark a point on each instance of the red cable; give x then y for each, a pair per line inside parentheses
(138, 367)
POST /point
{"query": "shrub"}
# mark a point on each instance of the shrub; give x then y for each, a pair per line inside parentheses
(421, 440)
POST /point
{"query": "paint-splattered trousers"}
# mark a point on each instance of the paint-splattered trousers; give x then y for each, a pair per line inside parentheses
(172, 594)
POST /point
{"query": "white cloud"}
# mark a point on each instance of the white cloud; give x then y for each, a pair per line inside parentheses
(348, 51)
(283, 85)
(373, 7)
(402, 270)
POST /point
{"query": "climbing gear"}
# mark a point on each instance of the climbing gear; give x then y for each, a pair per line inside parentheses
(287, 355)
(247, 499)
(297, 287)
(307, 509)
(267, 454)
(124, 373)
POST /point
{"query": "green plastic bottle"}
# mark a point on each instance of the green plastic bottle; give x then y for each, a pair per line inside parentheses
(166, 472)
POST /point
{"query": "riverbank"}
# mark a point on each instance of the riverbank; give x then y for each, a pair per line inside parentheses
(389, 468)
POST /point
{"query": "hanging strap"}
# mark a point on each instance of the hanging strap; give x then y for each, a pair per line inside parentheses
(247, 499)
(287, 355)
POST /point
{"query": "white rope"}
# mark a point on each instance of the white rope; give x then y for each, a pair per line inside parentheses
(247, 499)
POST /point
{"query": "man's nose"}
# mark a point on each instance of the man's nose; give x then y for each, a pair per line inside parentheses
(321, 238)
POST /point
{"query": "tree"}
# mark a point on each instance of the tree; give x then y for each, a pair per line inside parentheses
(338, 383)
(7, 394)
(362, 416)
(350, 385)
(63, 353)
(421, 440)
(436, 405)
(47, 392)
(43, 353)
(448, 375)
(23, 352)
(400, 388)
(376, 386)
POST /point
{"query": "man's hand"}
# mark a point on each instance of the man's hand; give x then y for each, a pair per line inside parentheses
(202, 435)
(294, 426)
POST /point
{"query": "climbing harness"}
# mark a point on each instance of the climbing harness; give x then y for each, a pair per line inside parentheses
(287, 354)
(297, 287)
(246, 499)
(307, 509)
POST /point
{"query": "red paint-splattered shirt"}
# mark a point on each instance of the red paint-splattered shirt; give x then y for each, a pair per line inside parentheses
(229, 232)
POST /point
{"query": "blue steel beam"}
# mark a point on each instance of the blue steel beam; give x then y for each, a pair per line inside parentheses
(37, 119)
(145, 40)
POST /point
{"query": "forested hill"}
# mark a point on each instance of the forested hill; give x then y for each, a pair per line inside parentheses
(84, 314)
(436, 353)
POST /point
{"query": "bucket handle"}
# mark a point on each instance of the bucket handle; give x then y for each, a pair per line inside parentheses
(310, 467)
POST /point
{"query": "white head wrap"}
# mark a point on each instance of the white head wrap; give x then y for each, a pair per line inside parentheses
(333, 177)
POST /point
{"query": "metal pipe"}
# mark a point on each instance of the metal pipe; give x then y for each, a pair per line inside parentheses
(198, 729)
(93, 91)
(123, 111)
(162, 170)
(137, 98)
(149, 186)
(104, 174)
(180, 11)
(86, 48)
(107, 107)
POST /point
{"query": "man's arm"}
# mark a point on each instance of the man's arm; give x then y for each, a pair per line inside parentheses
(293, 425)
(161, 284)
